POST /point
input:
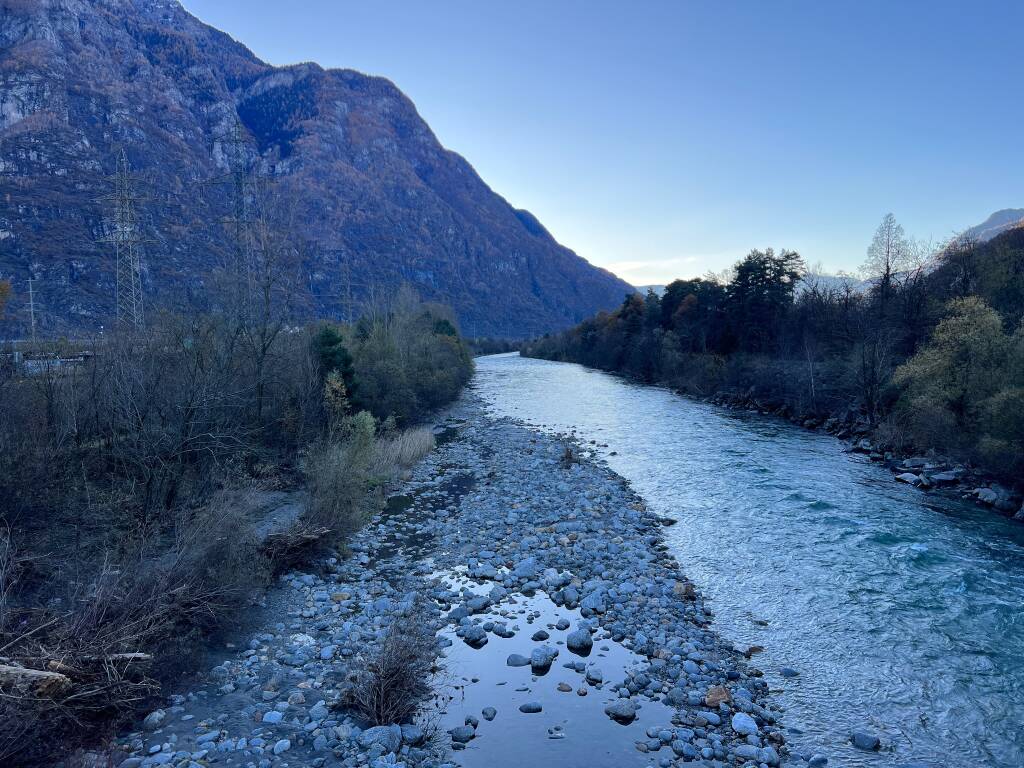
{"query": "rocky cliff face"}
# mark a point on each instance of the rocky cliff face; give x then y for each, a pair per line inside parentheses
(378, 200)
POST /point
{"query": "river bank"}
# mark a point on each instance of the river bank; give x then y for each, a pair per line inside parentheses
(929, 472)
(566, 632)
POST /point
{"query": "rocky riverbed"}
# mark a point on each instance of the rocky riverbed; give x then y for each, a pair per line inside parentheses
(567, 635)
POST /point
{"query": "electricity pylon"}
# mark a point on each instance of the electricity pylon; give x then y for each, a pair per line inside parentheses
(123, 231)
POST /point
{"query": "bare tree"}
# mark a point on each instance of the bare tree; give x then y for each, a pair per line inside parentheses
(888, 255)
(275, 256)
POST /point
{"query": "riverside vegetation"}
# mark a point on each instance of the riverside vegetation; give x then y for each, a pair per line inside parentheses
(926, 354)
(138, 490)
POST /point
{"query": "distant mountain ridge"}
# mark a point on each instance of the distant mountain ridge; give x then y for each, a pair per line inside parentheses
(379, 200)
(996, 224)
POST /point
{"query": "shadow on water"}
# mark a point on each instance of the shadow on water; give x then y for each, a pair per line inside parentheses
(900, 611)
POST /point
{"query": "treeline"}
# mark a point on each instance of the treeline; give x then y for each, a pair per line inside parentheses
(485, 345)
(927, 350)
(132, 486)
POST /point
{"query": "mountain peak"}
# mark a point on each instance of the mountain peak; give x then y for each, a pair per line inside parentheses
(997, 223)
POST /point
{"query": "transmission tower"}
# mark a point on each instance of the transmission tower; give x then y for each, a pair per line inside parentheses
(32, 309)
(123, 231)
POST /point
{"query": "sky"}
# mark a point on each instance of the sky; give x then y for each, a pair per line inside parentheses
(662, 139)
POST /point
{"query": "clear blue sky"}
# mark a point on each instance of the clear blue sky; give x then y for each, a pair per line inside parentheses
(662, 139)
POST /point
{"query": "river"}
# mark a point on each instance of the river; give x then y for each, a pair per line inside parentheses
(901, 611)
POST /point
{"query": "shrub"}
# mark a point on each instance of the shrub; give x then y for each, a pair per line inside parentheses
(392, 680)
(339, 472)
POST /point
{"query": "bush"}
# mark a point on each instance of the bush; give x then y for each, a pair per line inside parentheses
(392, 681)
(407, 359)
(339, 472)
(963, 392)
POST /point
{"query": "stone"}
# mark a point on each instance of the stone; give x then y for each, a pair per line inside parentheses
(579, 642)
(475, 636)
(516, 660)
(717, 694)
(744, 724)
(530, 708)
(526, 568)
(282, 746)
(154, 720)
(865, 741)
(542, 658)
(413, 735)
(747, 752)
(908, 477)
(273, 717)
(462, 734)
(389, 737)
(489, 713)
(622, 711)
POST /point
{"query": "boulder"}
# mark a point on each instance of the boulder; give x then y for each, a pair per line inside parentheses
(579, 642)
(621, 711)
(744, 724)
(866, 741)
(717, 694)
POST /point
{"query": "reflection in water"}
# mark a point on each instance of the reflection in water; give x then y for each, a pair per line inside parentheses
(578, 727)
(901, 611)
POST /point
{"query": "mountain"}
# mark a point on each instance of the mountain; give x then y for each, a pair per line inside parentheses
(379, 201)
(998, 222)
(643, 289)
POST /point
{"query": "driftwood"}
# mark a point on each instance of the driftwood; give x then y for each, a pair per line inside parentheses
(33, 683)
(61, 678)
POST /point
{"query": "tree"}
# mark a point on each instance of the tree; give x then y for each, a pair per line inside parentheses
(946, 384)
(274, 257)
(889, 253)
(5, 295)
(760, 295)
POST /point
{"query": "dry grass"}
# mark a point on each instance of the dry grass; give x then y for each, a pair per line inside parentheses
(403, 450)
(395, 678)
(71, 665)
(349, 474)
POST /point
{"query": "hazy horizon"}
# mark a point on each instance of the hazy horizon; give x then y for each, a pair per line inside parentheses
(664, 140)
